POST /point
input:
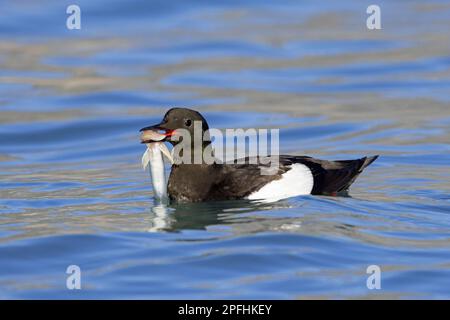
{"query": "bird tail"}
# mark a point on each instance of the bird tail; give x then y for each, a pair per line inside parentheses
(367, 162)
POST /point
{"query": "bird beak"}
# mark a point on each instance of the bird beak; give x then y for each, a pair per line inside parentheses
(155, 133)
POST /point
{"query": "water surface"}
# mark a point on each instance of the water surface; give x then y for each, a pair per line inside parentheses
(72, 190)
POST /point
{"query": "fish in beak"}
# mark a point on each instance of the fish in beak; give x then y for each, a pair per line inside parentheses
(156, 133)
(160, 147)
(153, 157)
(154, 138)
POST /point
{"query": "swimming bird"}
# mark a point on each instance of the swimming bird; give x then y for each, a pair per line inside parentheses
(295, 175)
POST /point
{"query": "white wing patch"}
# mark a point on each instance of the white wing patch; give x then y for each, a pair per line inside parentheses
(295, 182)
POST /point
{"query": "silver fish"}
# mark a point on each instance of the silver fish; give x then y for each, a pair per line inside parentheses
(153, 157)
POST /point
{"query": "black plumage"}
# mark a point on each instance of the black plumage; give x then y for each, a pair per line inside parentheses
(210, 182)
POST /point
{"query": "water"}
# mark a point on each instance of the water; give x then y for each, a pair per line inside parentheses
(72, 190)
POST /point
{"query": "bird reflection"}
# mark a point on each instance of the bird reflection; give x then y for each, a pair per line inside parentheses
(198, 216)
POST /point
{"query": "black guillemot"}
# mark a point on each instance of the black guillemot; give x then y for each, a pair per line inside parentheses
(295, 175)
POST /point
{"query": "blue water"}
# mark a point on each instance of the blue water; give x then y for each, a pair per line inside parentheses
(72, 191)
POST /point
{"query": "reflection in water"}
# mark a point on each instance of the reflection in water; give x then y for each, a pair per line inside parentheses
(241, 216)
(185, 216)
(72, 190)
(160, 219)
(200, 216)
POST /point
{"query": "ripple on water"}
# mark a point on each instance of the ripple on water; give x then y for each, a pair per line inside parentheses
(72, 190)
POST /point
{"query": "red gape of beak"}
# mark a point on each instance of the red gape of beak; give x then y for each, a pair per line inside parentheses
(169, 133)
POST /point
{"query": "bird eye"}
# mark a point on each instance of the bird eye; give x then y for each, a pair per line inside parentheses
(187, 122)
